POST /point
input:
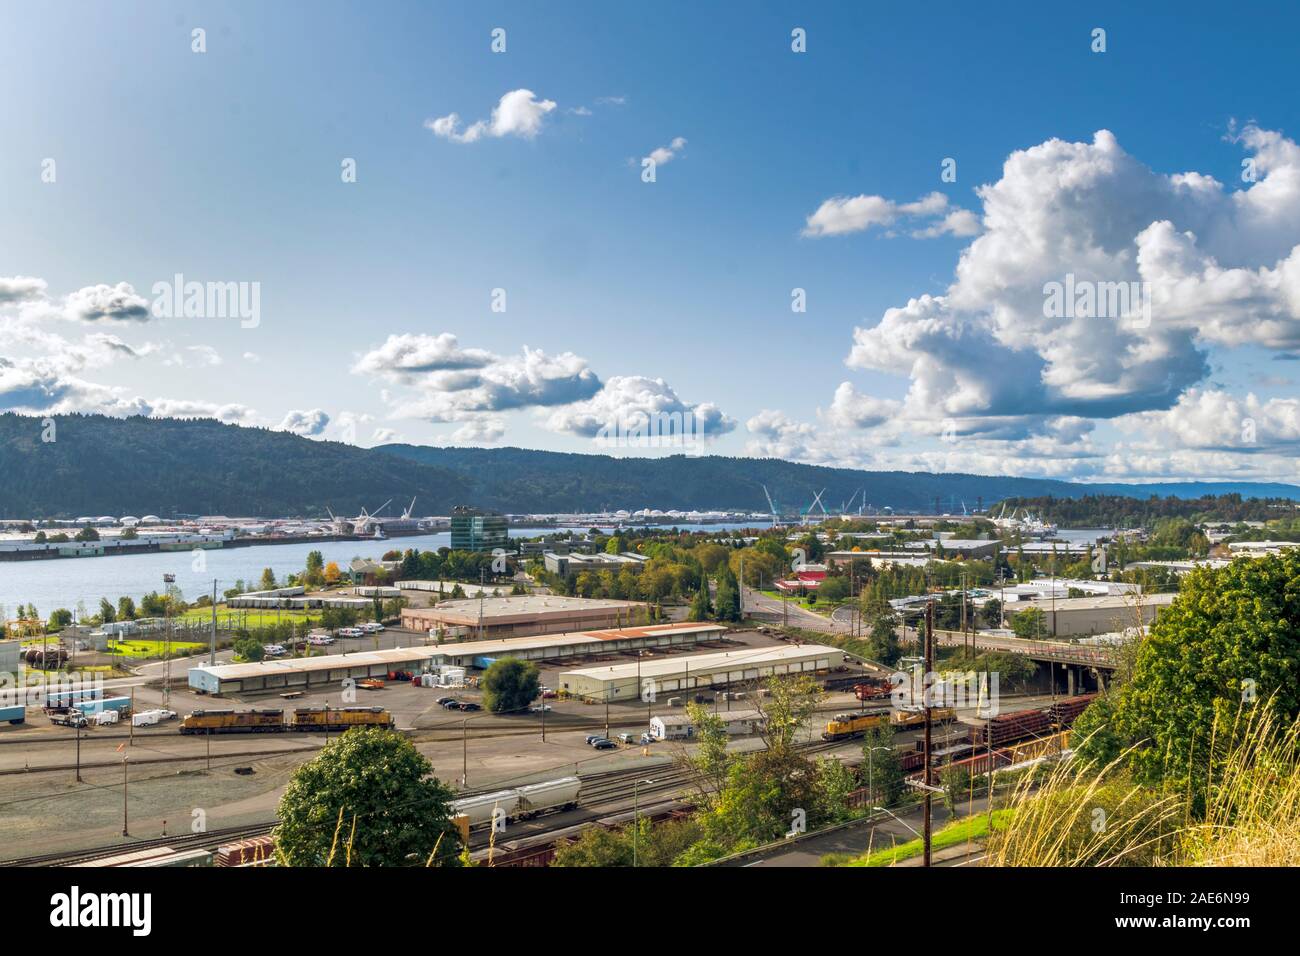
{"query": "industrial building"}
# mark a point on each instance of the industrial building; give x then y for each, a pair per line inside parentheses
(737, 723)
(1072, 617)
(475, 530)
(520, 615)
(627, 681)
(296, 598)
(572, 563)
(578, 644)
(330, 669)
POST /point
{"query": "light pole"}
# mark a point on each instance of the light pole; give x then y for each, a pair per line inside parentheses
(636, 809)
(125, 832)
(871, 789)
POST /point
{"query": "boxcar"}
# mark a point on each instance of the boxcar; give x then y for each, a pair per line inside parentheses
(15, 715)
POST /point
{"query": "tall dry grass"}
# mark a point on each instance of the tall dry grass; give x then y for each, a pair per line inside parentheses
(1079, 813)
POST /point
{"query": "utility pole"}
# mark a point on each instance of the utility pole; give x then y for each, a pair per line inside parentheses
(464, 752)
(929, 667)
(212, 644)
(125, 832)
(78, 728)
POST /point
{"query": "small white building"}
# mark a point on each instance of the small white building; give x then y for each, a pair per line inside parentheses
(672, 727)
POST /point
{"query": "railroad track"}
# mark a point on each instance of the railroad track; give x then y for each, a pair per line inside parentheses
(212, 838)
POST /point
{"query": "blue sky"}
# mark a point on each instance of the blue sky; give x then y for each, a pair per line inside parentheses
(224, 166)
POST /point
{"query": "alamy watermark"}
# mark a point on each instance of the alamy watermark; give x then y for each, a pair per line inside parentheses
(177, 299)
(682, 431)
(1129, 302)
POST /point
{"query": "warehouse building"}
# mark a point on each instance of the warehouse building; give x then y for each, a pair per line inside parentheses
(670, 675)
(296, 598)
(297, 673)
(1074, 617)
(572, 563)
(520, 615)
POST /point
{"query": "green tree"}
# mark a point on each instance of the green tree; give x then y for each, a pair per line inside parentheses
(510, 685)
(249, 649)
(881, 766)
(1230, 642)
(60, 618)
(728, 606)
(88, 533)
(107, 613)
(701, 604)
(125, 609)
(1031, 623)
(368, 799)
(882, 641)
(268, 580)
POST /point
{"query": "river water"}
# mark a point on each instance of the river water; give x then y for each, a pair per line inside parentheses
(63, 582)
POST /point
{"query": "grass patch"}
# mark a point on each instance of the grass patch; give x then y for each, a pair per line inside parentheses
(955, 833)
(143, 649)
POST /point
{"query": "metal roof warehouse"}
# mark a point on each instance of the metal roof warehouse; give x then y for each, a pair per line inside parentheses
(520, 615)
(625, 681)
(314, 671)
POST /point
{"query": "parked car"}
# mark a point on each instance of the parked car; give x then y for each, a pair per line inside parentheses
(351, 632)
(370, 627)
(320, 640)
(604, 743)
(469, 705)
(274, 650)
(592, 738)
(627, 738)
(442, 701)
(452, 704)
(645, 738)
(538, 708)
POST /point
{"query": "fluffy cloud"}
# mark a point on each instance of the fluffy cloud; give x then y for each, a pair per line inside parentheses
(308, 424)
(1178, 264)
(842, 215)
(455, 384)
(405, 357)
(666, 154)
(115, 303)
(20, 289)
(479, 431)
(519, 113)
(642, 406)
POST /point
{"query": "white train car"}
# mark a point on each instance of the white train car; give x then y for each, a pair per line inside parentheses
(520, 803)
(480, 809)
(559, 794)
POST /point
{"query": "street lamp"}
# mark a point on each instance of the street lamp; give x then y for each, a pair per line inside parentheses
(871, 750)
(636, 808)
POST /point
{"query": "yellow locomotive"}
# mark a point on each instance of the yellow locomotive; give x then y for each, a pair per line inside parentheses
(844, 726)
(233, 722)
(916, 718)
(304, 720)
(339, 718)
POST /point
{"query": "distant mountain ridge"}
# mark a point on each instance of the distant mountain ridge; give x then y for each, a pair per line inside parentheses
(117, 466)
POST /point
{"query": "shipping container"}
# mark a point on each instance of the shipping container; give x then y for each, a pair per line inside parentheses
(15, 715)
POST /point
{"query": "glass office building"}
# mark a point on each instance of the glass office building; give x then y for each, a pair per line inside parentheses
(475, 530)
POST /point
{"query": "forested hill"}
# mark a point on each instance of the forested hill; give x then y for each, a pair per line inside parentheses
(116, 466)
(138, 466)
(1115, 511)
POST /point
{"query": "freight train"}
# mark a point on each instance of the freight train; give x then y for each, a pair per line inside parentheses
(844, 726)
(519, 803)
(306, 720)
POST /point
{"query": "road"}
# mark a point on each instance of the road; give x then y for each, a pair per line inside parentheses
(873, 834)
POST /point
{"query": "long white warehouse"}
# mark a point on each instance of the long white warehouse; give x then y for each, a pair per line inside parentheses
(626, 681)
(304, 671)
